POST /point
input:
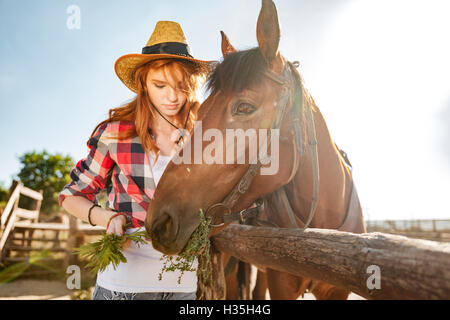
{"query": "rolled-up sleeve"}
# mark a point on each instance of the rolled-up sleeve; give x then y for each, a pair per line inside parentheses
(90, 174)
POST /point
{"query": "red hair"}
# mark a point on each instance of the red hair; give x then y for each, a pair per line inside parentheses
(139, 110)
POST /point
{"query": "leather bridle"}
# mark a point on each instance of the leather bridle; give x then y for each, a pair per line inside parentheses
(288, 87)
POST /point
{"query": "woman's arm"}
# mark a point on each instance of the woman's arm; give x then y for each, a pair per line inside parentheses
(79, 207)
(89, 176)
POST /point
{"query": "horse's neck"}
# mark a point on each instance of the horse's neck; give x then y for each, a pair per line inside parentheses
(334, 186)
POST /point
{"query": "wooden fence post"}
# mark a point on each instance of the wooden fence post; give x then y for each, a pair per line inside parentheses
(72, 259)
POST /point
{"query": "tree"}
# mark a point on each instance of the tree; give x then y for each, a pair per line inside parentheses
(47, 172)
(4, 195)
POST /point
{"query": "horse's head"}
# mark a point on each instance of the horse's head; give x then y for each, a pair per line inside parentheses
(253, 101)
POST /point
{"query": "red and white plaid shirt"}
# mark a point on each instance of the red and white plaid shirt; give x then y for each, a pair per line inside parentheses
(120, 166)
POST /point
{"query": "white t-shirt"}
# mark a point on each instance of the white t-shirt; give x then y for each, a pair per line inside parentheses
(140, 272)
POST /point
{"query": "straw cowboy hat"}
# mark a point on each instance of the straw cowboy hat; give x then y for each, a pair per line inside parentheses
(166, 41)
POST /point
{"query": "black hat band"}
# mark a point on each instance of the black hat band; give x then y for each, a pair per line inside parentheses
(176, 48)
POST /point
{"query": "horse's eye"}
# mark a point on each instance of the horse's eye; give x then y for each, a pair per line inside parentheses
(244, 109)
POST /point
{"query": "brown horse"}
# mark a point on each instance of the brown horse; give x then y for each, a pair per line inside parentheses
(259, 89)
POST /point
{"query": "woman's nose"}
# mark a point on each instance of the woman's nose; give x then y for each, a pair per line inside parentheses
(172, 95)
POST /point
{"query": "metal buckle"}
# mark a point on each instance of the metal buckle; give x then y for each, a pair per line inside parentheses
(259, 203)
(215, 216)
(241, 216)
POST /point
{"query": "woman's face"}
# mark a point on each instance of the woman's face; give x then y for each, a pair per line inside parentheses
(167, 98)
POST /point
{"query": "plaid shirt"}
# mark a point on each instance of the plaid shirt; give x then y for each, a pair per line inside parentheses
(122, 167)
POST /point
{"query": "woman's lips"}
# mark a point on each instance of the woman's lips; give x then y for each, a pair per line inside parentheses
(171, 106)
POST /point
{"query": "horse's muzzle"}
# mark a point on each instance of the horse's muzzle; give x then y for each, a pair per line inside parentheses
(164, 232)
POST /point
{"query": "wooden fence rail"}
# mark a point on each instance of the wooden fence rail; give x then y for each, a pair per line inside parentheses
(408, 268)
(12, 212)
(15, 220)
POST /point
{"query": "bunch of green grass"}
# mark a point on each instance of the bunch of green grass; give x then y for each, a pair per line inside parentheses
(198, 247)
(108, 250)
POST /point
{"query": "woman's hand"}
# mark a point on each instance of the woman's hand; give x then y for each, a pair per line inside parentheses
(117, 226)
(79, 207)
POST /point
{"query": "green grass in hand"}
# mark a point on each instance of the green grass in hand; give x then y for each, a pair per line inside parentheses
(108, 250)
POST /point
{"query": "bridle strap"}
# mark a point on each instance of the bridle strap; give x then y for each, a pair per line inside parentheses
(298, 135)
(312, 139)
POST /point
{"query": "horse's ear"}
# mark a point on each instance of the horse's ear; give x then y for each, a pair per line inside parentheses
(268, 34)
(227, 47)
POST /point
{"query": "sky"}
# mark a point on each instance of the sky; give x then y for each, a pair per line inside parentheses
(377, 69)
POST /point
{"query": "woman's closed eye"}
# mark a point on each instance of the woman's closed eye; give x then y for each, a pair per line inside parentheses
(159, 86)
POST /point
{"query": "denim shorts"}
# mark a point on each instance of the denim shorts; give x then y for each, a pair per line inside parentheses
(101, 293)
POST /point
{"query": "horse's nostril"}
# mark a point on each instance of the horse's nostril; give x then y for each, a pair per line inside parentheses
(165, 229)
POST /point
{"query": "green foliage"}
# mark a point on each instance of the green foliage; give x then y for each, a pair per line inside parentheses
(198, 246)
(102, 198)
(47, 172)
(15, 270)
(4, 196)
(4, 192)
(108, 249)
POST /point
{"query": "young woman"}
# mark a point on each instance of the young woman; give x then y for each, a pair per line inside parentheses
(128, 154)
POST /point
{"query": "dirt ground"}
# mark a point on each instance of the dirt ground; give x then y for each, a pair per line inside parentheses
(28, 289)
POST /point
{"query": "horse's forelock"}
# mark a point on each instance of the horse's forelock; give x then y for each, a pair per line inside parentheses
(238, 71)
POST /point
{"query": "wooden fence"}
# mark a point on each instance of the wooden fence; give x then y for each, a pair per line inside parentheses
(12, 212)
(428, 229)
(18, 227)
(408, 268)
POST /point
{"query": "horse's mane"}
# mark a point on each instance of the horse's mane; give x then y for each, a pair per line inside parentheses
(242, 69)
(238, 71)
